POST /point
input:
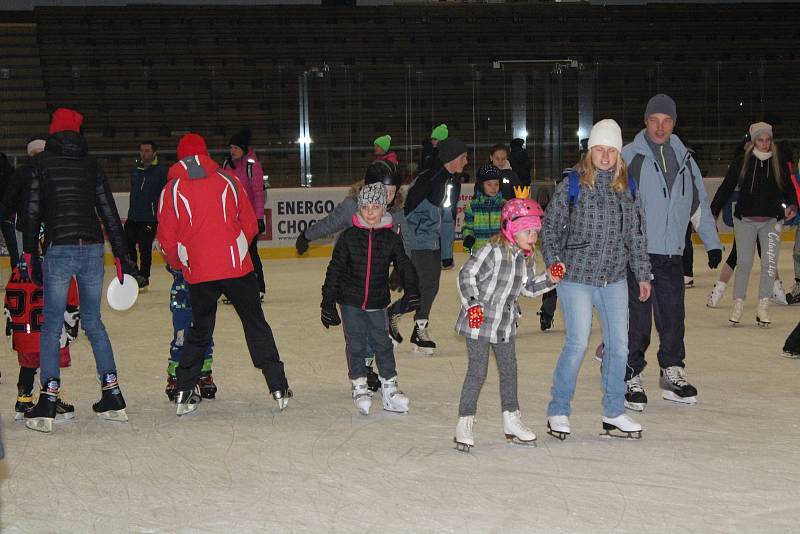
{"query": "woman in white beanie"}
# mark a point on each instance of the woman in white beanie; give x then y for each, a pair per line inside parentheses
(766, 197)
(592, 226)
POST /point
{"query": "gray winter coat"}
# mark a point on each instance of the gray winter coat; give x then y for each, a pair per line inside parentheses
(603, 234)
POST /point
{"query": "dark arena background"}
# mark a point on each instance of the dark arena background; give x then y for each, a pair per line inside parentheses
(317, 83)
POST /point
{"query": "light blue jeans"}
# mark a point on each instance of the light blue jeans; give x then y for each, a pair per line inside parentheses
(577, 301)
(61, 263)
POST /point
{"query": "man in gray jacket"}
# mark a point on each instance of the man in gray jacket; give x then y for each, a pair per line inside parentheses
(671, 192)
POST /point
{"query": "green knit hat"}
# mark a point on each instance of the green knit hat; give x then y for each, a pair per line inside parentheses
(384, 141)
(440, 133)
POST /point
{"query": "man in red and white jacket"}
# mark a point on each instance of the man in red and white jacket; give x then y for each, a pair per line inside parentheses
(205, 224)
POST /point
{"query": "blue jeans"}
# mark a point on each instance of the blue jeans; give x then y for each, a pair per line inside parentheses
(577, 301)
(61, 263)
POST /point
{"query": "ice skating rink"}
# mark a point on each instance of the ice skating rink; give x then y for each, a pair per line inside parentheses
(728, 464)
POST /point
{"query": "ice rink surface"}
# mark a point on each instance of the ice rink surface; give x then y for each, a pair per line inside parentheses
(728, 464)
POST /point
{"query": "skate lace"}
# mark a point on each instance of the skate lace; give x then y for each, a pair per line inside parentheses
(796, 289)
(635, 384)
(422, 333)
(676, 376)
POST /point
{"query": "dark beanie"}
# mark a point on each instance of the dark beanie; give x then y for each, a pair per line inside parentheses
(241, 139)
(661, 103)
(450, 149)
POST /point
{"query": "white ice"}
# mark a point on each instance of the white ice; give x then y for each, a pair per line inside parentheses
(728, 464)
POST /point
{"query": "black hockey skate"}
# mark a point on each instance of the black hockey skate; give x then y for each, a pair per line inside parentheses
(421, 341)
(635, 397)
(187, 400)
(208, 389)
(394, 328)
(545, 321)
(675, 387)
(172, 388)
(41, 416)
(64, 410)
(373, 382)
(111, 405)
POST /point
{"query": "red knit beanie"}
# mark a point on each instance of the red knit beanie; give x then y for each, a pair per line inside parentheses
(65, 119)
(192, 144)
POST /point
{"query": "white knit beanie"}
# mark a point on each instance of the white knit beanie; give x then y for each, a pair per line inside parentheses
(758, 128)
(607, 133)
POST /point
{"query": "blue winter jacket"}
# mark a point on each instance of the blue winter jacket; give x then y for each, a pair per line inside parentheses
(668, 213)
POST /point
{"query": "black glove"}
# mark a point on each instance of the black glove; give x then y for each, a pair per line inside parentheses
(469, 242)
(261, 226)
(409, 303)
(395, 281)
(330, 315)
(301, 244)
(714, 257)
(30, 268)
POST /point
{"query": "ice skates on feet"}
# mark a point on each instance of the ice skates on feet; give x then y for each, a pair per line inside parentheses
(394, 400)
(621, 426)
(464, 439)
(23, 404)
(600, 352)
(41, 416)
(545, 321)
(420, 340)
(635, 397)
(172, 388)
(762, 317)
(394, 329)
(558, 426)
(779, 294)
(688, 282)
(675, 387)
(187, 400)
(736, 314)
(208, 389)
(515, 430)
(793, 296)
(64, 410)
(282, 397)
(362, 396)
(111, 405)
(716, 294)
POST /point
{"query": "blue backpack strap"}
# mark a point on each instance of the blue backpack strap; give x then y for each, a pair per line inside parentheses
(632, 185)
(573, 188)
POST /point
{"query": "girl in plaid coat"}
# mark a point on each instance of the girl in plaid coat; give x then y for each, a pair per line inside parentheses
(489, 284)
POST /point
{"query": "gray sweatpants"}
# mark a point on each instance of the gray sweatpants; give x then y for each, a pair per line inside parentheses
(768, 234)
(478, 353)
(428, 264)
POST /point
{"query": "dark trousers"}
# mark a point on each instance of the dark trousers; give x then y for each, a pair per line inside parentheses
(666, 304)
(258, 268)
(428, 264)
(243, 294)
(10, 237)
(140, 236)
(549, 301)
(366, 333)
(688, 254)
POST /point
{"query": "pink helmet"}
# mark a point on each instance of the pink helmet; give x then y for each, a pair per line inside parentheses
(520, 214)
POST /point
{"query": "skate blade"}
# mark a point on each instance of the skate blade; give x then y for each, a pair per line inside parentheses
(69, 416)
(462, 447)
(557, 434)
(791, 355)
(40, 424)
(733, 323)
(635, 406)
(762, 324)
(394, 409)
(282, 403)
(670, 396)
(620, 434)
(114, 415)
(209, 397)
(423, 350)
(20, 416)
(514, 440)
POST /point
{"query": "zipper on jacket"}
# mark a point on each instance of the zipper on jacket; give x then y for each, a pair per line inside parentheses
(369, 268)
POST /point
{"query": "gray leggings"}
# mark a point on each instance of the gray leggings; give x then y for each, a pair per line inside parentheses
(768, 234)
(478, 353)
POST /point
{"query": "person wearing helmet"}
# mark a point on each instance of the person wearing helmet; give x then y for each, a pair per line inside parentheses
(593, 230)
(489, 285)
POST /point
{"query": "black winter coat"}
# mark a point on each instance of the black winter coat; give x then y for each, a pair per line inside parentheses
(70, 193)
(759, 194)
(15, 198)
(358, 274)
(146, 185)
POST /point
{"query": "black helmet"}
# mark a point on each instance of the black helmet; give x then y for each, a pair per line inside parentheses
(383, 172)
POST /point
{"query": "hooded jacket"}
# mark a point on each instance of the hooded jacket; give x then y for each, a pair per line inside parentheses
(70, 194)
(205, 222)
(146, 185)
(759, 194)
(432, 191)
(482, 217)
(667, 213)
(251, 176)
(358, 274)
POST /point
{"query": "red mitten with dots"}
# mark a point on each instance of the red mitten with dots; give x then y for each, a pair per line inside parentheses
(475, 316)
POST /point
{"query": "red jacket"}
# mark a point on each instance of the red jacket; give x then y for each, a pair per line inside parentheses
(205, 221)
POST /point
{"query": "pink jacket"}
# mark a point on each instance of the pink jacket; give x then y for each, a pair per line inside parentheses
(248, 171)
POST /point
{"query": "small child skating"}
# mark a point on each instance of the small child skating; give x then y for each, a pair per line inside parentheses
(489, 284)
(482, 214)
(24, 301)
(181, 310)
(358, 280)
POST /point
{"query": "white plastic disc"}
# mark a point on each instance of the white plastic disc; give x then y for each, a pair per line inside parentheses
(122, 296)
